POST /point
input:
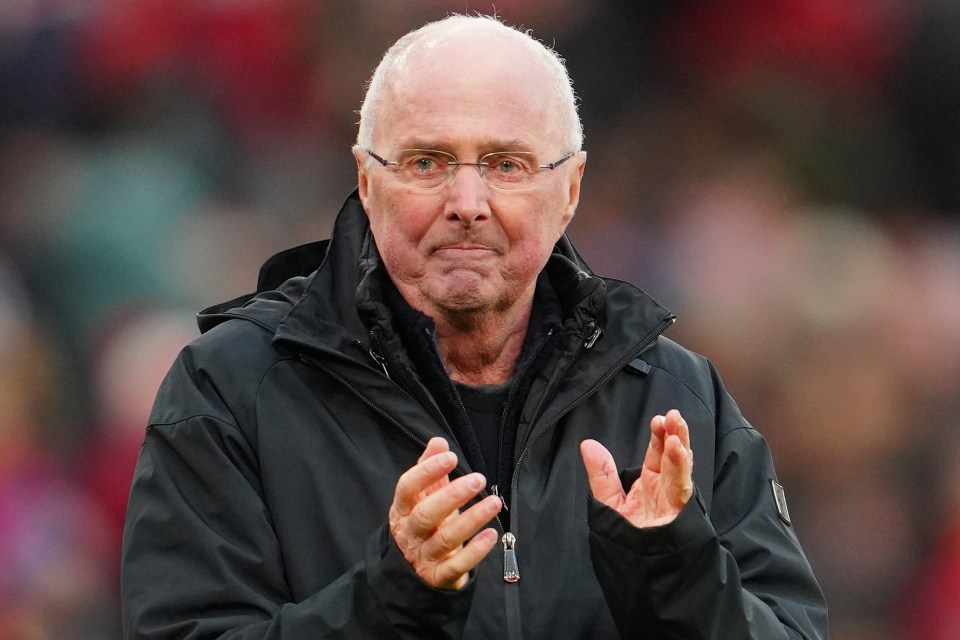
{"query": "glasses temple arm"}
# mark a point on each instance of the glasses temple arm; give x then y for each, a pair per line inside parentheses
(554, 165)
(382, 161)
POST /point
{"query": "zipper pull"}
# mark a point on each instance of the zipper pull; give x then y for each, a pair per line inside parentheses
(592, 338)
(380, 360)
(495, 490)
(511, 570)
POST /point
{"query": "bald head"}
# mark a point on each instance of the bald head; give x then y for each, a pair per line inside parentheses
(465, 49)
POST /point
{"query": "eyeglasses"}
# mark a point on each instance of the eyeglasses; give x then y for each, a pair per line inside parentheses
(503, 170)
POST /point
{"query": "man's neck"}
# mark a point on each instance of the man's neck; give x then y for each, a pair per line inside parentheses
(482, 348)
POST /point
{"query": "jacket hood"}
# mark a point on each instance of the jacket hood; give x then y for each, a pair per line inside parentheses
(325, 295)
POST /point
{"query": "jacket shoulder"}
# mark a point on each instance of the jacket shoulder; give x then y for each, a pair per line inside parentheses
(700, 377)
(217, 375)
(668, 353)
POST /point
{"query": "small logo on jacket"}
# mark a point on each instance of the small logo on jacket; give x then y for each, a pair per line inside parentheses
(780, 500)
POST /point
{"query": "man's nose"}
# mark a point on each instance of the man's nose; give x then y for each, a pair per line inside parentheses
(468, 196)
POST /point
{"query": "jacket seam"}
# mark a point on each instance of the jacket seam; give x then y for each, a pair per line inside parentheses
(713, 413)
(233, 425)
(723, 437)
(745, 515)
(236, 315)
(720, 436)
(154, 425)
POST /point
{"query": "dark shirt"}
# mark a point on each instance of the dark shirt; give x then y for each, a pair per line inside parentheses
(484, 420)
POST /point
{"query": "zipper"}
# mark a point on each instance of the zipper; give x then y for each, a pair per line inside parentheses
(380, 360)
(506, 407)
(458, 471)
(511, 567)
(495, 490)
(367, 401)
(511, 571)
(376, 353)
(594, 335)
(620, 364)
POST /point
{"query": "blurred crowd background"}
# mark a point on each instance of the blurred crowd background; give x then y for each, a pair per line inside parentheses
(784, 175)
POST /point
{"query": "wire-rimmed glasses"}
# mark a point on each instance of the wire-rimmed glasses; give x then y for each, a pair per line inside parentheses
(503, 170)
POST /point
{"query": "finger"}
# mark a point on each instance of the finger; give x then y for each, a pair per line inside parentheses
(602, 473)
(434, 447)
(674, 424)
(457, 530)
(677, 472)
(418, 478)
(434, 509)
(451, 573)
(652, 459)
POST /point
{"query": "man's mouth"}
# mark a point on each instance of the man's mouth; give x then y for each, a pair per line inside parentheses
(464, 247)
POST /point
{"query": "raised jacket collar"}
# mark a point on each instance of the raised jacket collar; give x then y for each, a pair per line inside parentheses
(326, 295)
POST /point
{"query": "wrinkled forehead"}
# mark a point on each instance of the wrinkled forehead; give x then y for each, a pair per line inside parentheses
(473, 79)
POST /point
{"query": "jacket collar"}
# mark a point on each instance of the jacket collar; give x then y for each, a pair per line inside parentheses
(333, 308)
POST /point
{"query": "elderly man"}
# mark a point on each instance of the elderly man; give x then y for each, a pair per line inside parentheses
(340, 454)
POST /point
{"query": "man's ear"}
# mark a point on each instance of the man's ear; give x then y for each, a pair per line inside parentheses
(362, 181)
(576, 177)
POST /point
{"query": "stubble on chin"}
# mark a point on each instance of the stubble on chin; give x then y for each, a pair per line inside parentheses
(464, 301)
(461, 293)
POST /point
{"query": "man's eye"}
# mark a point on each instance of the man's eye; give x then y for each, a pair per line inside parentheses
(506, 165)
(424, 164)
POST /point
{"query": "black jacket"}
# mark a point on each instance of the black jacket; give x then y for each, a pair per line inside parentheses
(259, 504)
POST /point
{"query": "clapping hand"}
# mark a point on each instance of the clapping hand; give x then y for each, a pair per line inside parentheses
(666, 479)
(426, 522)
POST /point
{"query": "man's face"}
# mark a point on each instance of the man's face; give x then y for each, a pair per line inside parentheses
(466, 248)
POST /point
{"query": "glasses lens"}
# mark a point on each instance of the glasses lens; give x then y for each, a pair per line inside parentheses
(510, 170)
(424, 168)
(429, 169)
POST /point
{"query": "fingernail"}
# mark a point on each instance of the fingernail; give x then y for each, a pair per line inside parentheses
(493, 506)
(476, 481)
(443, 459)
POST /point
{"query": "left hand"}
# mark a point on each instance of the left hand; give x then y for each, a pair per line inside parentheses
(666, 479)
(440, 542)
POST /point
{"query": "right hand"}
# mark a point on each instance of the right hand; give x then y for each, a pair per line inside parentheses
(426, 522)
(666, 478)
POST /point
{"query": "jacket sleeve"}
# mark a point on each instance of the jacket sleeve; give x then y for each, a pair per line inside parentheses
(201, 559)
(738, 572)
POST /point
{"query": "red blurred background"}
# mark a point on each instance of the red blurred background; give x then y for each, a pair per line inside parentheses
(784, 175)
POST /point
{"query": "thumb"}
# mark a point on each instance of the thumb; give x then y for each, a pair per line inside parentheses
(602, 473)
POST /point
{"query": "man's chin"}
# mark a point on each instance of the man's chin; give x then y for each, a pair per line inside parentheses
(466, 299)
(463, 302)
